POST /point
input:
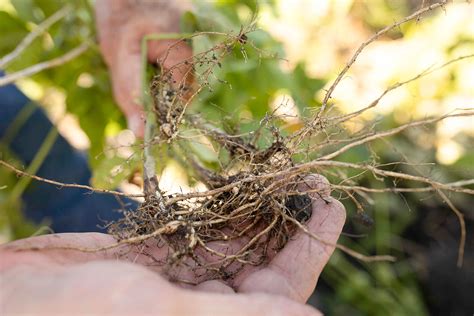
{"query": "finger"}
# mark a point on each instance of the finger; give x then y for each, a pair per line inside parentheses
(294, 271)
(244, 304)
(126, 82)
(172, 54)
(68, 248)
(122, 55)
(35, 250)
(126, 73)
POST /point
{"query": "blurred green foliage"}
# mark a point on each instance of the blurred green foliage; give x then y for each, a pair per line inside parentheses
(252, 77)
(249, 71)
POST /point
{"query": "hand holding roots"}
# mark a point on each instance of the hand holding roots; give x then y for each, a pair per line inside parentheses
(259, 197)
(245, 204)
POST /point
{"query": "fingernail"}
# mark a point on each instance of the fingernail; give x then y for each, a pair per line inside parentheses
(318, 184)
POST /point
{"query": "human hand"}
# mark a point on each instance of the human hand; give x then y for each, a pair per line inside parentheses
(121, 25)
(45, 286)
(121, 286)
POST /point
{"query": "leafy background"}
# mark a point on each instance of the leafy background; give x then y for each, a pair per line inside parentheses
(315, 38)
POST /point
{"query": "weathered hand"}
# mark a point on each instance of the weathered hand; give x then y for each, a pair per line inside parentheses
(121, 25)
(111, 282)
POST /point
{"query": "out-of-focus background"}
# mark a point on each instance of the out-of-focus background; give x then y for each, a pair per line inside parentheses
(313, 40)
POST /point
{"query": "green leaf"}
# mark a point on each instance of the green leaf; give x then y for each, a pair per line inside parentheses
(304, 88)
(48, 6)
(188, 22)
(110, 172)
(27, 11)
(12, 30)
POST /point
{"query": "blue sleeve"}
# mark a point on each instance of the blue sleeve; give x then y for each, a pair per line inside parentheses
(67, 209)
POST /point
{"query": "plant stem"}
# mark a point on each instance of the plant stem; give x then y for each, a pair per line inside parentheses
(73, 53)
(40, 29)
(149, 164)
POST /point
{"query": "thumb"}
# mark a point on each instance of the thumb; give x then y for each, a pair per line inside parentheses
(295, 270)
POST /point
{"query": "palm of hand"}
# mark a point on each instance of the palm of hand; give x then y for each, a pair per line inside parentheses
(291, 273)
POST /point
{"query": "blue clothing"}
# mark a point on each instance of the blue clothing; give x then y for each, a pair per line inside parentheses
(67, 209)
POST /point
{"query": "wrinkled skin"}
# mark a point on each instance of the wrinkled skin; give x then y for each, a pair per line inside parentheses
(53, 282)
